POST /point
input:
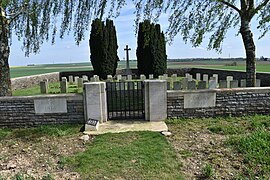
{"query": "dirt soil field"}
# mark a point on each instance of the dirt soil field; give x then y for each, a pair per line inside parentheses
(197, 147)
(39, 157)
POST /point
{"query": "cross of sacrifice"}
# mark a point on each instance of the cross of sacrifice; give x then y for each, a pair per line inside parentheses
(127, 56)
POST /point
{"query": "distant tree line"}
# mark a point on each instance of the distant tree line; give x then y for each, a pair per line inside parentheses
(151, 50)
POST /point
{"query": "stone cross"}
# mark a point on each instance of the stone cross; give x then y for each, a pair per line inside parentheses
(127, 56)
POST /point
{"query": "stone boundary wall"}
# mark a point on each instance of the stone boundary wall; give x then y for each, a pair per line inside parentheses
(27, 111)
(30, 81)
(237, 75)
(218, 102)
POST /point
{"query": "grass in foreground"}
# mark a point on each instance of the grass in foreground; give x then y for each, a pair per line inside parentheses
(133, 155)
(36, 132)
(245, 141)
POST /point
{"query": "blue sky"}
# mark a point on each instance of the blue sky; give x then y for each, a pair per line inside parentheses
(65, 51)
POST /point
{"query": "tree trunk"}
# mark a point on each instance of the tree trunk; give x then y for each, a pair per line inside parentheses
(5, 83)
(249, 44)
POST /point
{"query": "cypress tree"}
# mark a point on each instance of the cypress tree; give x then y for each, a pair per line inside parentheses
(103, 48)
(151, 50)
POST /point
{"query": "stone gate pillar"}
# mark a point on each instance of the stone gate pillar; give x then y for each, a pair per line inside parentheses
(95, 104)
(155, 100)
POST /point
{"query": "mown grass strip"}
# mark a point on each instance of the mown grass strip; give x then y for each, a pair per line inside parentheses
(133, 155)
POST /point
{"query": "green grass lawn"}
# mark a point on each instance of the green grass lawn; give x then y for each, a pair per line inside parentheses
(213, 148)
(133, 155)
(54, 88)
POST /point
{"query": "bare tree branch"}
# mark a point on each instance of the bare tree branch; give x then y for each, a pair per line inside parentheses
(230, 5)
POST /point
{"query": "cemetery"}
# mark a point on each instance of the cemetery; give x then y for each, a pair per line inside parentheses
(151, 122)
(189, 96)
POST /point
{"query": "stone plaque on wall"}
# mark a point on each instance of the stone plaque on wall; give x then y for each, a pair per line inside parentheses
(50, 105)
(200, 100)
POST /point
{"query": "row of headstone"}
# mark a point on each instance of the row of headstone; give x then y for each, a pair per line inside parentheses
(188, 83)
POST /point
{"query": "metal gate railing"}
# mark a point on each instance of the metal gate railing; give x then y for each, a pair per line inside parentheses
(125, 100)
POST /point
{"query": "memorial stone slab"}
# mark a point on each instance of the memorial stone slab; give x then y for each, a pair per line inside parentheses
(96, 78)
(198, 76)
(85, 78)
(192, 85)
(92, 79)
(80, 82)
(43, 87)
(212, 84)
(64, 79)
(205, 77)
(165, 76)
(70, 79)
(174, 77)
(229, 78)
(223, 84)
(129, 77)
(109, 77)
(50, 105)
(63, 86)
(176, 85)
(184, 83)
(216, 77)
(168, 85)
(243, 83)
(142, 77)
(190, 78)
(199, 100)
(234, 84)
(202, 85)
(119, 77)
(258, 83)
(76, 79)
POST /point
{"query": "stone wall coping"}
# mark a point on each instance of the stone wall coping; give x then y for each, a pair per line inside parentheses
(38, 75)
(68, 96)
(173, 93)
(155, 80)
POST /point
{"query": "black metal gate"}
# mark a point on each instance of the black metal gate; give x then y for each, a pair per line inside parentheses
(125, 100)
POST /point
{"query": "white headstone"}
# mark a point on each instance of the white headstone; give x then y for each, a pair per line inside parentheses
(212, 84)
(198, 76)
(229, 79)
(85, 78)
(205, 77)
(258, 83)
(70, 79)
(216, 77)
(142, 77)
(119, 77)
(129, 77)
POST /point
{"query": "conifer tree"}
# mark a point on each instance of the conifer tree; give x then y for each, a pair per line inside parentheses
(151, 50)
(103, 48)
